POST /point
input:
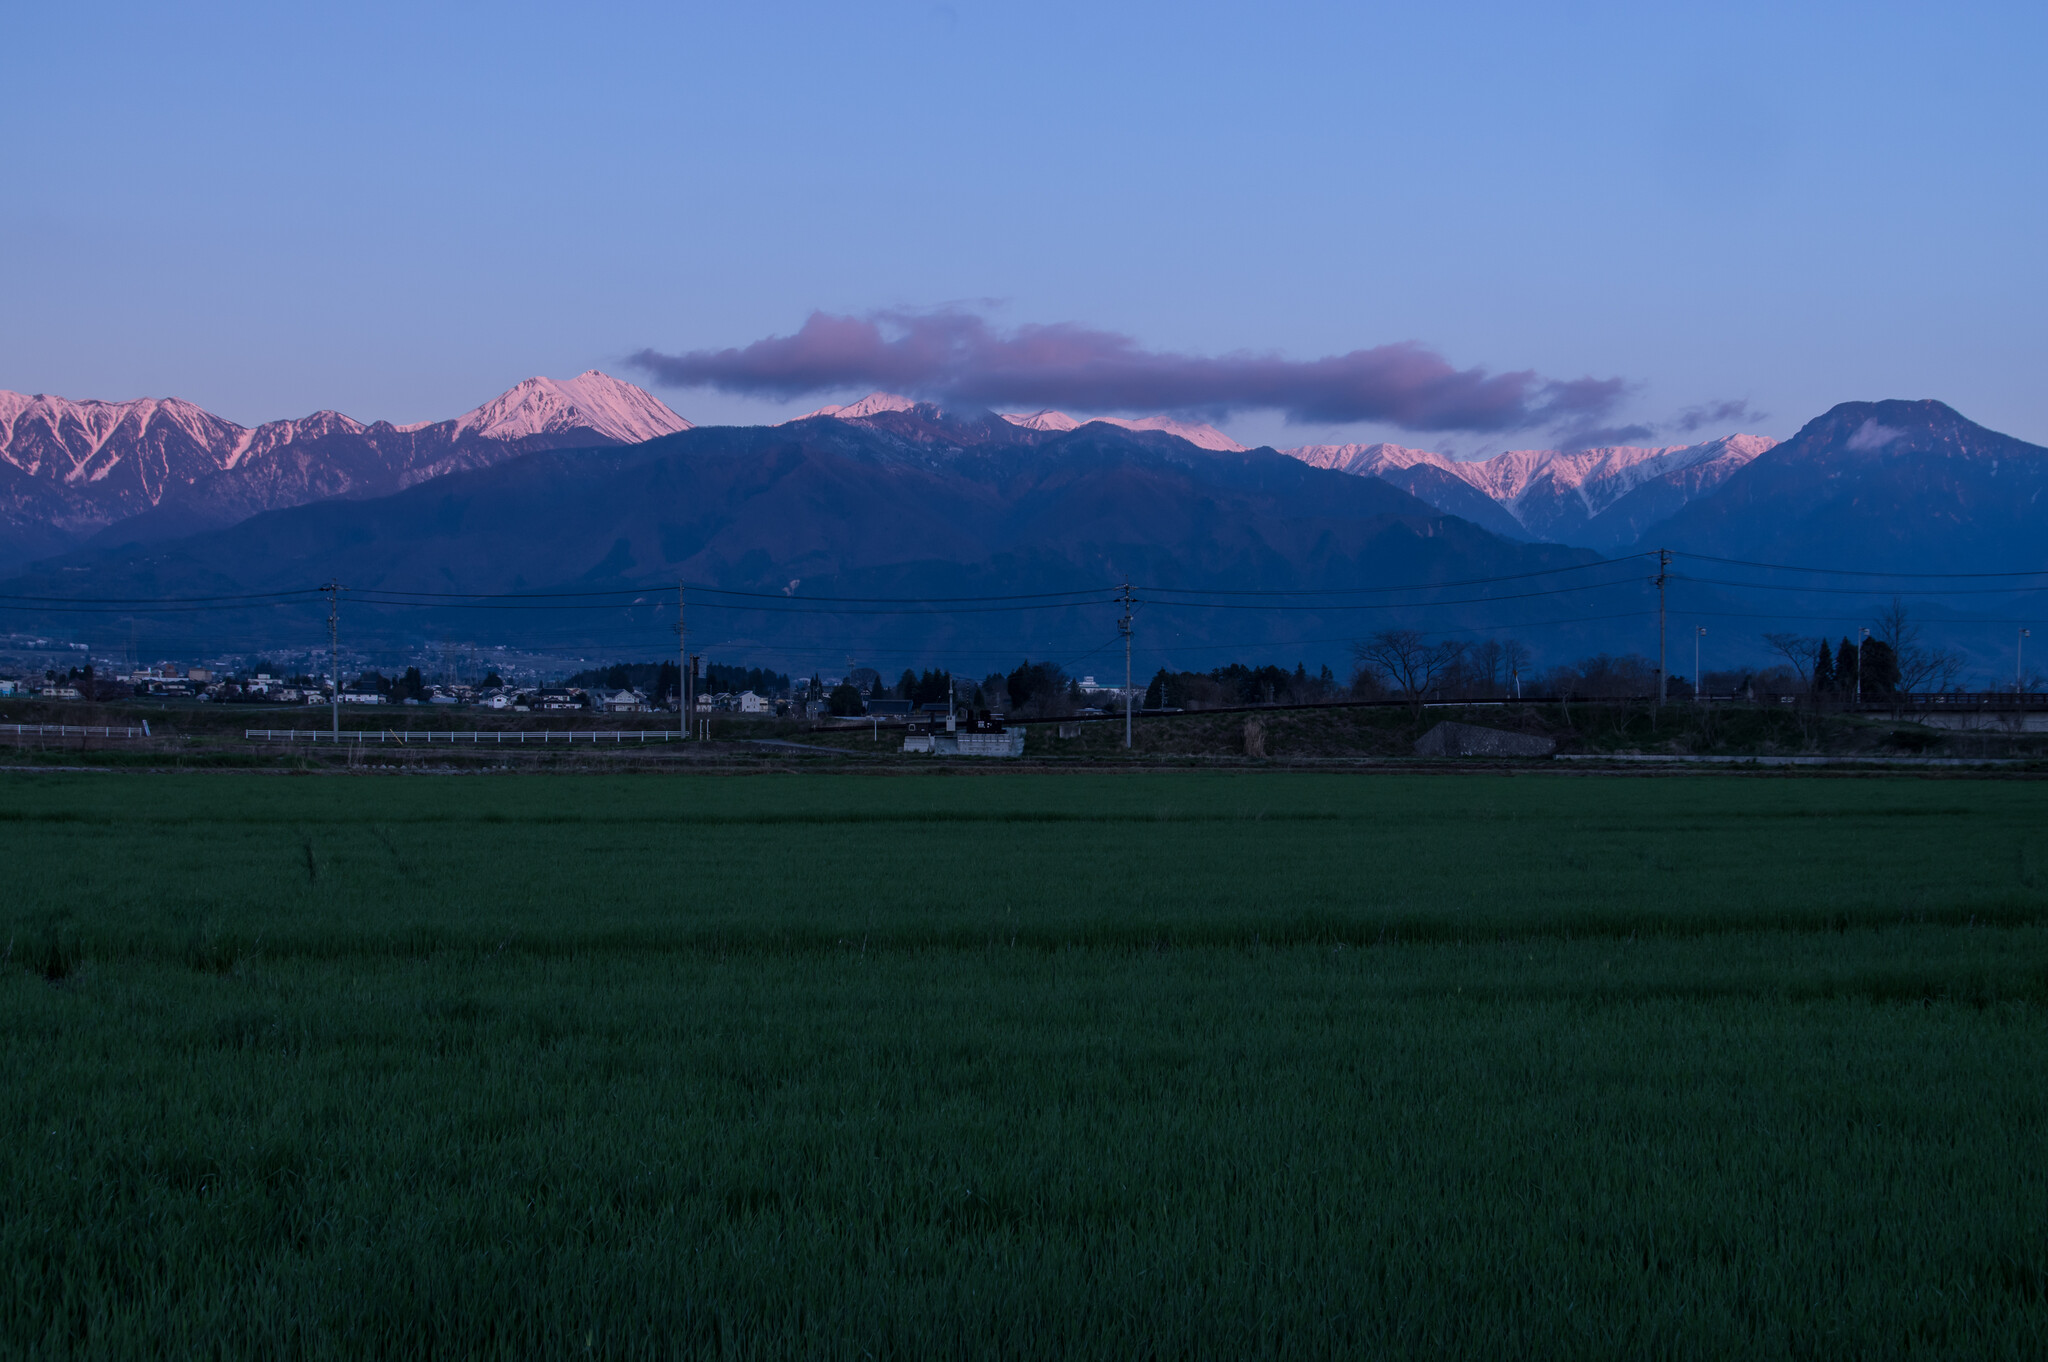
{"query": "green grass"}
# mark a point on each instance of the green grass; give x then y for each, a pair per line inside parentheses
(1120, 1065)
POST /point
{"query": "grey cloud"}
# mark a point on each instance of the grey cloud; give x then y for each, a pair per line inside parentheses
(1600, 436)
(1725, 412)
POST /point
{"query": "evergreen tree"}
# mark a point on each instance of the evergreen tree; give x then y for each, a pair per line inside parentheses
(1020, 683)
(1155, 694)
(1879, 667)
(906, 685)
(1823, 669)
(845, 700)
(1845, 667)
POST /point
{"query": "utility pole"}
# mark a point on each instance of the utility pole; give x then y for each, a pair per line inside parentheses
(333, 589)
(1124, 627)
(1663, 569)
(1698, 633)
(2019, 663)
(683, 660)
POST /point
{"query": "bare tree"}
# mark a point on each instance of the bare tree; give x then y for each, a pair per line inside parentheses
(1408, 662)
(1797, 650)
(1514, 660)
(1943, 667)
(1896, 628)
(1485, 664)
(1920, 668)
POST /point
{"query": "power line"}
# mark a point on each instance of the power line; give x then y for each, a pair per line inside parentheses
(373, 599)
(652, 595)
(1413, 586)
(1856, 572)
(1863, 590)
(301, 591)
(1396, 605)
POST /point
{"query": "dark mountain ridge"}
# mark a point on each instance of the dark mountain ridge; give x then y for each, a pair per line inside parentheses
(918, 504)
(1891, 486)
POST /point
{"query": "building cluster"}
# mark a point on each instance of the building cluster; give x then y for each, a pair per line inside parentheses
(174, 681)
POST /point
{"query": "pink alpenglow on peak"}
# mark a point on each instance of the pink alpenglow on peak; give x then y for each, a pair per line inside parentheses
(874, 404)
(165, 467)
(1042, 420)
(1194, 432)
(589, 401)
(1558, 494)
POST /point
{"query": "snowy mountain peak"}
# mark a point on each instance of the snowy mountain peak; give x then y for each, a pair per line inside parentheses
(84, 466)
(1554, 493)
(1042, 420)
(589, 401)
(874, 404)
(1194, 432)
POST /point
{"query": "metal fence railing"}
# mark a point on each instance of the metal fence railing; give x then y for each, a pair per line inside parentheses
(73, 731)
(485, 737)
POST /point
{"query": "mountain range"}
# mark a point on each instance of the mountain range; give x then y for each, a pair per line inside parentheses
(1602, 498)
(809, 519)
(109, 473)
(558, 487)
(1194, 432)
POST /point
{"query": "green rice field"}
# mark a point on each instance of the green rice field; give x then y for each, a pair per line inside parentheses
(1135, 1065)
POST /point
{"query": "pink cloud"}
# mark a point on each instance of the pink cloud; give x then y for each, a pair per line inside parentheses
(958, 356)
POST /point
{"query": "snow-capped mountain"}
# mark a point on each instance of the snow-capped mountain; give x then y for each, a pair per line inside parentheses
(874, 404)
(591, 401)
(154, 468)
(1194, 432)
(879, 403)
(1597, 498)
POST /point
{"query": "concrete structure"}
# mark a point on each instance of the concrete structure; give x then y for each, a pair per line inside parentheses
(1450, 739)
(967, 738)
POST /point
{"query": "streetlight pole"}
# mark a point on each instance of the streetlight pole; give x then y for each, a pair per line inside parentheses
(1663, 569)
(2019, 661)
(1124, 627)
(334, 590)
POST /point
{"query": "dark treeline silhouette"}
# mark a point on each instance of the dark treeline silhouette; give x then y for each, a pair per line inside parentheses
(657, 680)
(929, 688)
(1238, 684)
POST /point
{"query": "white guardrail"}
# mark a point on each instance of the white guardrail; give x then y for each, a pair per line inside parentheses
(73, 731)
(486, 737)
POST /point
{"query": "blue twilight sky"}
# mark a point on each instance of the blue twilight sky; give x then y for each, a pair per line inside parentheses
(398, 211)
